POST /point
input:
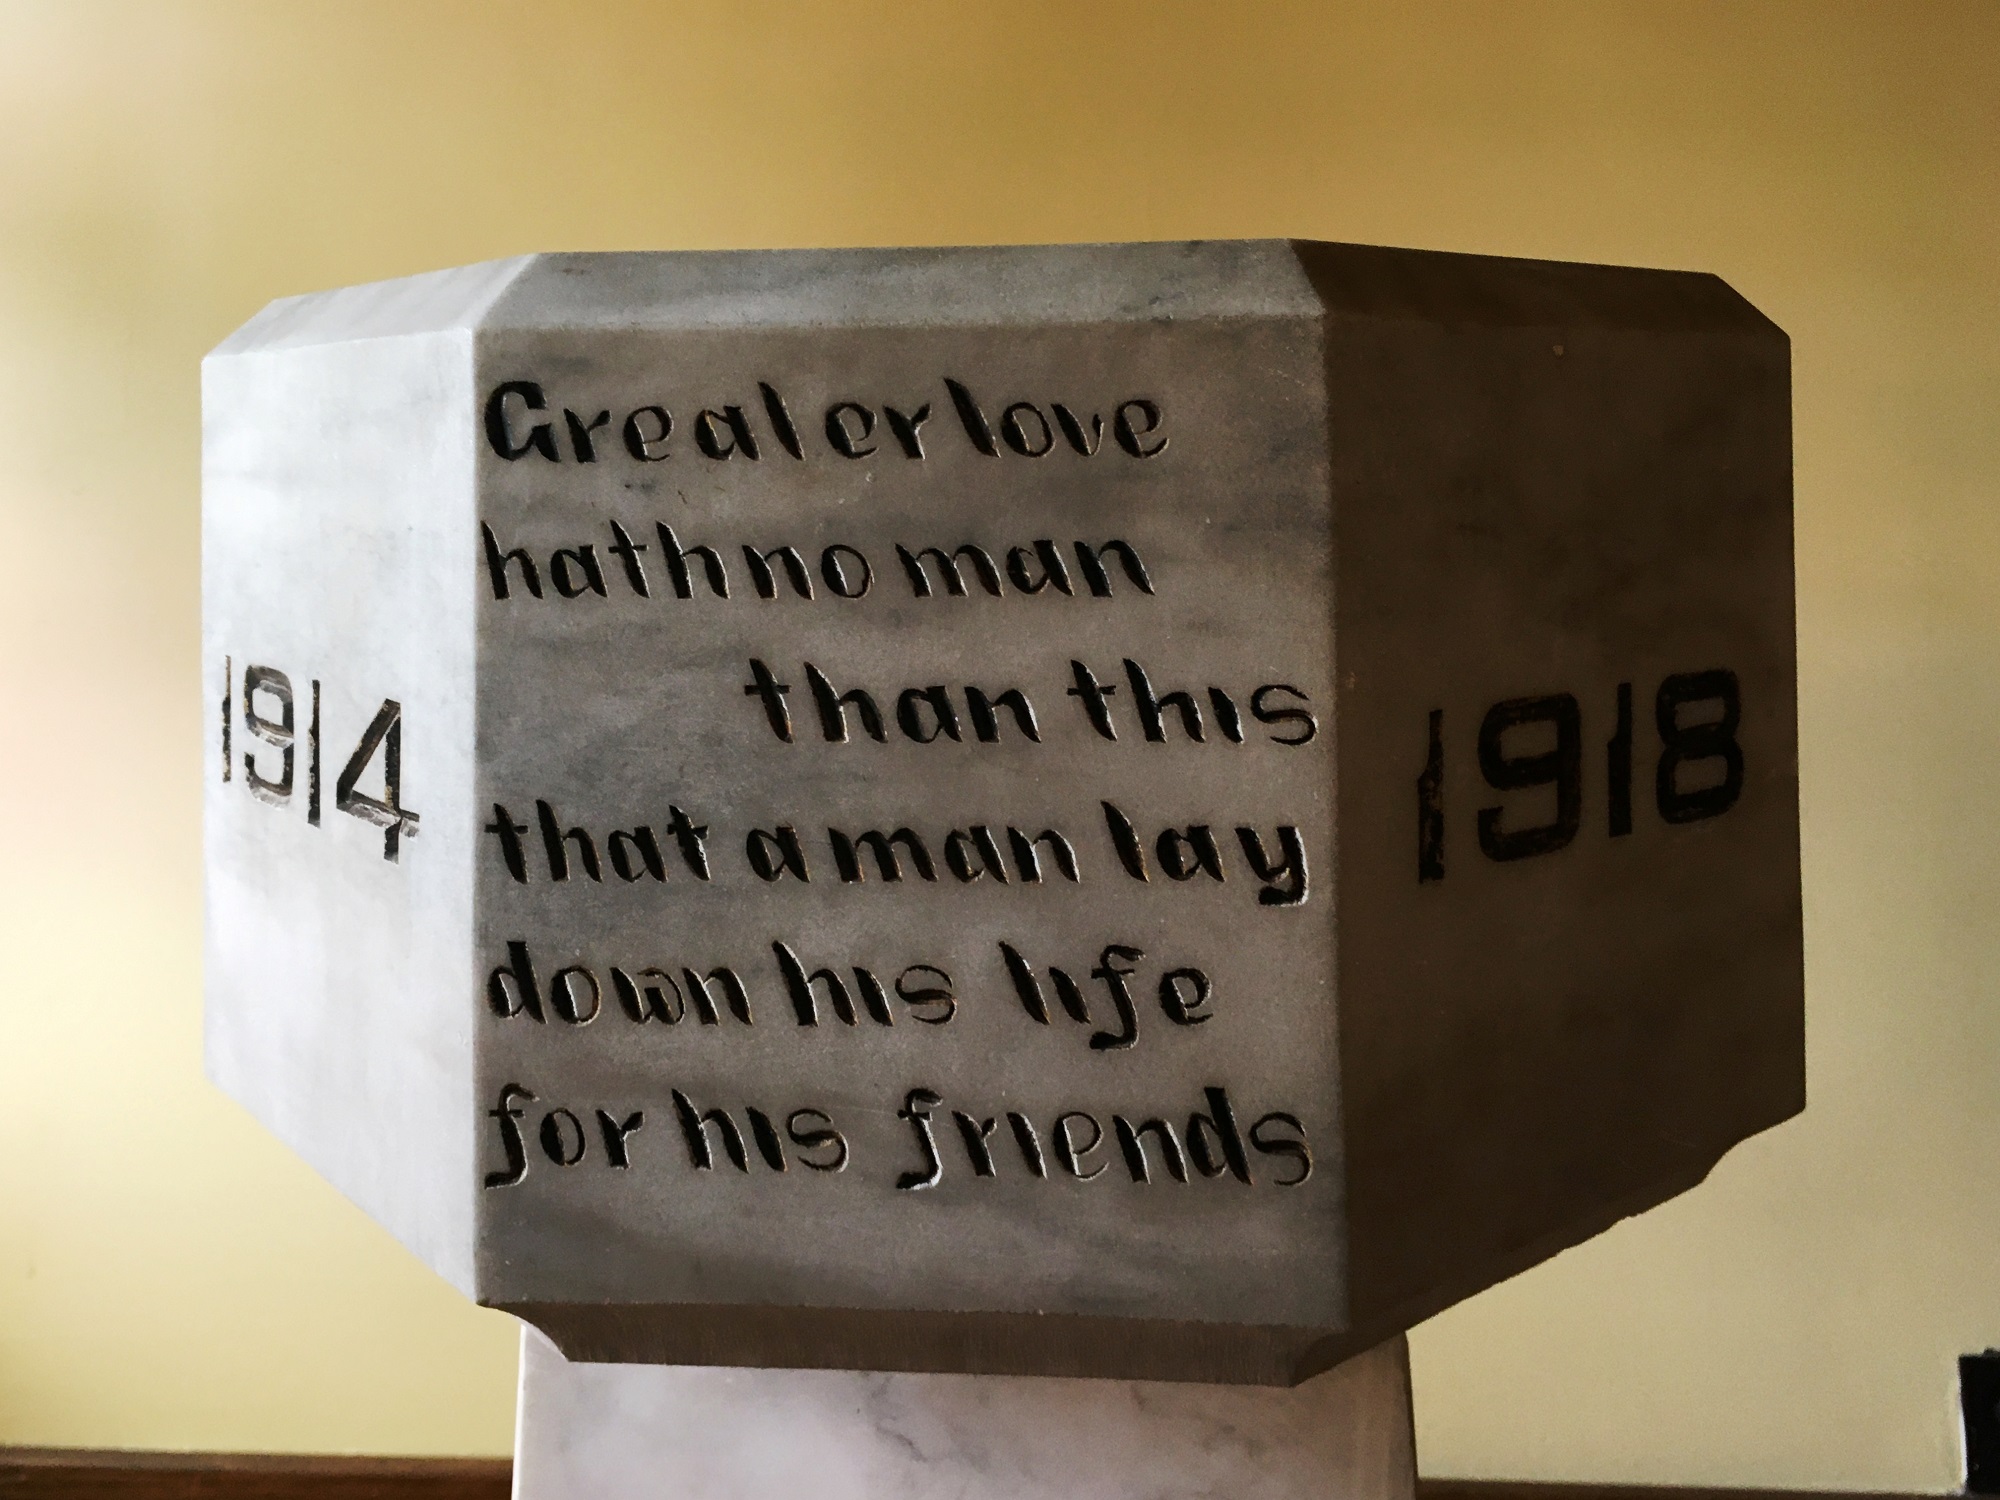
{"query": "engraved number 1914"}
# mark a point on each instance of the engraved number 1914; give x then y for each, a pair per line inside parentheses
(270, 712)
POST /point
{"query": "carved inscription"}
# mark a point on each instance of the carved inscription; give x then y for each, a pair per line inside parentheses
(1554, 767)
(1113, 997)
(1524, 745)
(267, 707)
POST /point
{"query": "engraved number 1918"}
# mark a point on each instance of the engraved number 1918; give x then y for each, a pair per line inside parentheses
(1530, 743)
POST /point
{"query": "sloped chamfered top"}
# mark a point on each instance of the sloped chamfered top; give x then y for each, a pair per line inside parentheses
(992, 285)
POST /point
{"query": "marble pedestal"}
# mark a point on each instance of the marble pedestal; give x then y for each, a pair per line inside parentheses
(632, 1432)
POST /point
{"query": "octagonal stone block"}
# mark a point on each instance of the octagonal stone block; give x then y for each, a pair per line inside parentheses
(1159, 811)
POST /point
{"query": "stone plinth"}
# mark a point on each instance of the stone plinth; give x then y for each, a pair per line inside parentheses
(589, 1431)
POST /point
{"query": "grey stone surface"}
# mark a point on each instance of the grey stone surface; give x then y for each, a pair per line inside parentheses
(591, 1430)
(1525, 954)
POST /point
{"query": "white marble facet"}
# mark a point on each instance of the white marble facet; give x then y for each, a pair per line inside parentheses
(632, 1432)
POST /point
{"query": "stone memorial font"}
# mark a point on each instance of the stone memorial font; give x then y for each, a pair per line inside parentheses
(1156, 811)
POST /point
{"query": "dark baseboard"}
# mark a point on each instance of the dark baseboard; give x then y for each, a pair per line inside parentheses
(87, 1474)
(1536, 1489)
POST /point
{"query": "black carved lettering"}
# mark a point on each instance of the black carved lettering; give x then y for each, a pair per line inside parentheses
(1025, 984)
(508, 1115)
(781, 419)
(974, 1133)
(555, 842)
(989, 852)
(969, 858)
(768, 1145)
(813, 1130)
(694, 1127)
(1091, 560)
(577, 1006)
(566, 562)
(1095, 697)
(949, 576)
(766, 581)
(1264, 713)
(888, 864)
(496, 565)
(1070, 1152)
(1131, 434)
(799, 985)
(1296, 1151)
(690, 838)
(723, 978)
(1029, 865)
(384, 732)
(1618, 766)
(1687, 744)
(972, 418)
(1186, 853)
(627, 552)
(1131, 1142)
(847, 580)
(635, 854)
(1561, 765)
(618, 1135)
(1227, 717)
(1016, 433)
(943, 720)
(1114, 967)
(923, 995)
(557, 1141)
(1149, 706)
(775, 852)
(1125, 840)
(509, 834)
(525, 996)
(676, 558)
(638, 444)
(1430, 805)
(1183, 993)
(1085, 443)
(1030, 1144)
(1029, 989)
(1285, 878)
(847, 442)
(1020, 562)
(313, 759)
(276, 732)
(580, 434)
(833, 708)
(658, 998)
(917, 1107)
(986, 723)
(873, 998)
(541, 437)
(1213, 1142)
(725, 433)
(771, 692)
(906, 428)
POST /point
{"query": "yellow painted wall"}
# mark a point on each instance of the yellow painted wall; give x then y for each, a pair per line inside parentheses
(170, 1277)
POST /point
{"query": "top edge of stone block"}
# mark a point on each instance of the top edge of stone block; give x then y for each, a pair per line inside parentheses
(432, 302)
(1001, 285)
(1448, 287)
